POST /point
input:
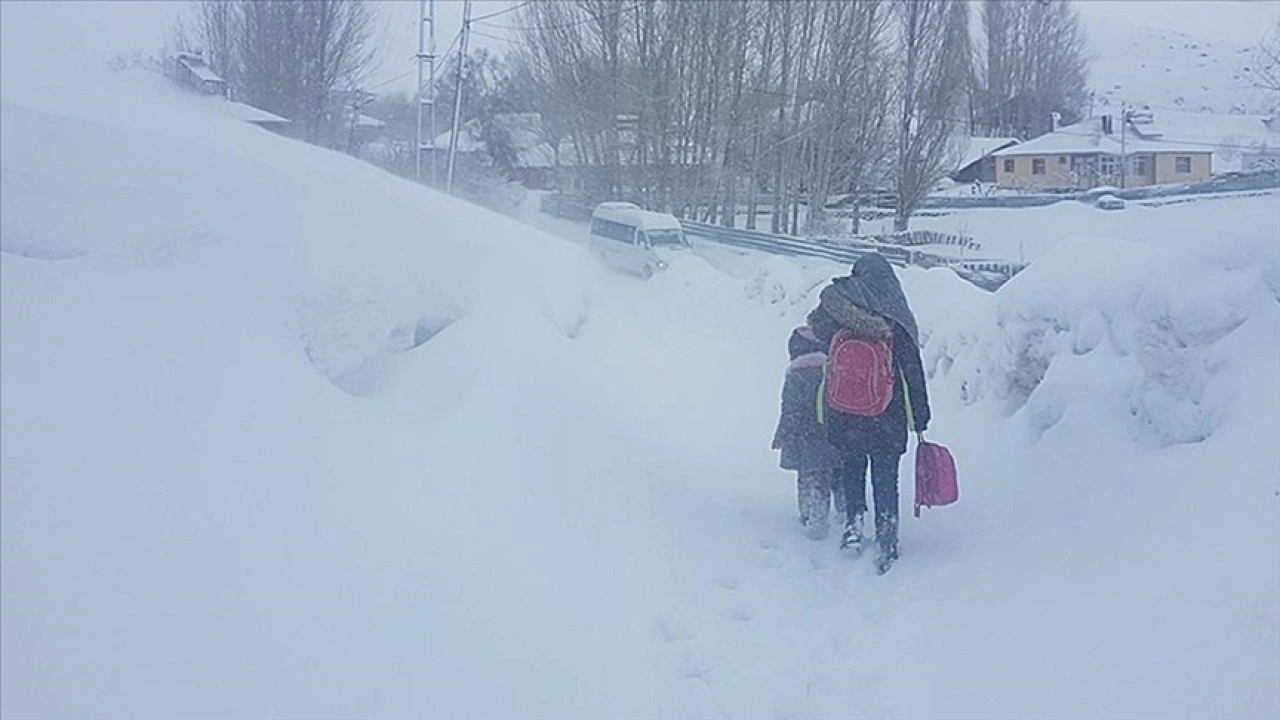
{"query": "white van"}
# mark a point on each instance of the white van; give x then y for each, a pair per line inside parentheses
(636, 240)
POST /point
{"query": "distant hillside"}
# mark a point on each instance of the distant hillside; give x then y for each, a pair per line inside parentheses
(1170, 70)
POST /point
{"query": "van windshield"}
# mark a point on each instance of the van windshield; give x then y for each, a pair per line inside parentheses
(669, 237)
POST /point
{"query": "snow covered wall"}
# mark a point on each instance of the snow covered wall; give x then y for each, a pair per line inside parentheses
(281, 434)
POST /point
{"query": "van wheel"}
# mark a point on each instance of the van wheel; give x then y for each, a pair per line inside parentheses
(647, 272)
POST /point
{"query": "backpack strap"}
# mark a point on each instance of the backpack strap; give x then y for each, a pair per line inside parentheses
(906, 399)
(820, 400)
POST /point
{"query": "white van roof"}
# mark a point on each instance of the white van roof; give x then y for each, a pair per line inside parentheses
(631, 214)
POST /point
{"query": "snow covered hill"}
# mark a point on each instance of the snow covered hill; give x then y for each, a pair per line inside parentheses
(283, 435)
(1169, 70)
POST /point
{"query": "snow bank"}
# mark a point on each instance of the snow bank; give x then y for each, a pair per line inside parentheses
(366, 261)
(284, 435)
(1157, 317)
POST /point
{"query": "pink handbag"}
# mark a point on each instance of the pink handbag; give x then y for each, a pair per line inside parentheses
(935, 476)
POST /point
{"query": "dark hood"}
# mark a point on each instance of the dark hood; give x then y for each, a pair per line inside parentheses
(873, 285)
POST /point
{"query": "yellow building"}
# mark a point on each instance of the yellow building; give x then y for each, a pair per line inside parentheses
(1089, 154)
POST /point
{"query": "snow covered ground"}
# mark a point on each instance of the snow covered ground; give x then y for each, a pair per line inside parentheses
(283, 435)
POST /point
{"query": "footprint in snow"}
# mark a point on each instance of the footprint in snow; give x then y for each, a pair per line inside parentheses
(672, 629)
(728, 582)
(697, 668)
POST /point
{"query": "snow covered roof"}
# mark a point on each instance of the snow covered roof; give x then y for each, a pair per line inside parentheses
(369, 122)
(1087, 138)
(527, 138)
(249, 113)
(197, 66)
(981, 147)
(467, 141)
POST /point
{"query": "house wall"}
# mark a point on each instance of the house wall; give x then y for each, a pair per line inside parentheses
(1166, 168)
(1057, 172)
(1160, 170)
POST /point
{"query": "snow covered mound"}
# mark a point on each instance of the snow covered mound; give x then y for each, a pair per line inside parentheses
(285, 435)
(359, 261)
(1107, 324)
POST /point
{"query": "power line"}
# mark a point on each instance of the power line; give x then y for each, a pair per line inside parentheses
(439, 71)
(583, 21)
(492, 37)
(513, 8)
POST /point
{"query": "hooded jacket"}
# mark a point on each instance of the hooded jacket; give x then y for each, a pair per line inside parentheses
(844, 305)
(804, 443)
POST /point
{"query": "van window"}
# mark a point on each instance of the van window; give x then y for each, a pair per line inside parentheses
(612, 230)
(665, 237)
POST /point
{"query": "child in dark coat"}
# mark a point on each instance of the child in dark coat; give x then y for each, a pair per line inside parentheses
(802, 440)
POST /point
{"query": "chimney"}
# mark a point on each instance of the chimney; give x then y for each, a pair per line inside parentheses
(1054, 119)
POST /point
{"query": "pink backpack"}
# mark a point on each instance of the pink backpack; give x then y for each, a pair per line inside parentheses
(859, 375)
(935, 476)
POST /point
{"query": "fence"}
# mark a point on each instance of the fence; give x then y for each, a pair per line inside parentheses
(986, 273)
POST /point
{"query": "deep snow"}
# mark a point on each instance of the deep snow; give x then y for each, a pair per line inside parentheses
(231, 486)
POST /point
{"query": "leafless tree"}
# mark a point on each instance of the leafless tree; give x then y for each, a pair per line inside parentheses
(933, 58)
(1033, 64)
(286, 56)
(1266, 63)
(711, 108)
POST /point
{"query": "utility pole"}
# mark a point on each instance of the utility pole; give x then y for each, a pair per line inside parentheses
(426, 139)
(457, 98)
(1124, 158)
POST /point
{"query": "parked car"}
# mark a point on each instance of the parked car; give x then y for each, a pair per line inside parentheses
(1110, 202)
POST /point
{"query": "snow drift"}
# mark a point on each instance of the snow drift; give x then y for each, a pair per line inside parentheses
(285, 435)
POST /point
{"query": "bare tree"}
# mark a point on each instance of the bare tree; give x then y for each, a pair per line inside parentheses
(1034, 64)
(1266, 63)
(934, 57)
(728, 105)
(284, 56)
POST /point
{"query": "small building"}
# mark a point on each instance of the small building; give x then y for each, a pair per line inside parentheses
(977, 164)
(190, 69)
(1098, 151)
(257, 116)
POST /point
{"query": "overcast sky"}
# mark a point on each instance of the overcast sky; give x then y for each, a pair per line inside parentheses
(47, 36)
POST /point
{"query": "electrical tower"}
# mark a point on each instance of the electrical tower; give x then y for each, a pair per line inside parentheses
(426, 136)
(457, 100)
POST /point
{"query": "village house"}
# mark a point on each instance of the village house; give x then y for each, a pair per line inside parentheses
(978, 164)
(190, 69)
(1099, 151)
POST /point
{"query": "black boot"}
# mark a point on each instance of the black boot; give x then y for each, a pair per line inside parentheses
(887, 540)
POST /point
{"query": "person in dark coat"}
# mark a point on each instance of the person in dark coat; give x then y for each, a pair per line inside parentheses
(802, 440)
(871, 305)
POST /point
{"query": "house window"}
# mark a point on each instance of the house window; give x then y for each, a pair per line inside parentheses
(1106, 166)
(1062, 159)
(1182, 164)
(1037, 166)
(1008, 165)
(1140, 166)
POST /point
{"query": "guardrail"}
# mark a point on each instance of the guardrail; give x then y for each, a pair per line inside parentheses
(986, 273)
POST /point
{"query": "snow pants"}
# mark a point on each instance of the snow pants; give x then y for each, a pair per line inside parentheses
(815, 490)
(884, 488)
